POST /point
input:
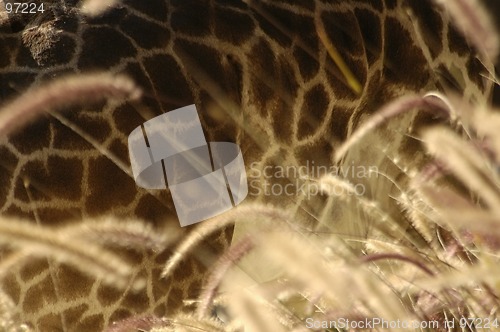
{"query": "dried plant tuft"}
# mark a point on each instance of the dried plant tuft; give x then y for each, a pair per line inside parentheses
(62, 92)
(41, 241)
(399, 106)
(122, 233)
(472, 19)
(97, 7)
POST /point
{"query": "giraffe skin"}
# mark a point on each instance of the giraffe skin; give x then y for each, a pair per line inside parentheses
(259, 76)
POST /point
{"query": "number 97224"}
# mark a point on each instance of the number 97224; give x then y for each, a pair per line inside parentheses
(24, 8)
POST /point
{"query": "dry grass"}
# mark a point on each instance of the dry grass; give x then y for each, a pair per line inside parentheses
(452, 277)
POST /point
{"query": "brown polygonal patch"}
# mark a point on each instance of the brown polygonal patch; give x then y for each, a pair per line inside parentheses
(285, 93)
(40, 295)
(166, 76)
(66, 286)
(32, 137)
(191, 17)
(232, 26)
(264, 64)
(146, 34)
(404, 61)
(103, 48)
(370, 27)
(156, 9)
(313, 111)
(110, 187)
(61, 179)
